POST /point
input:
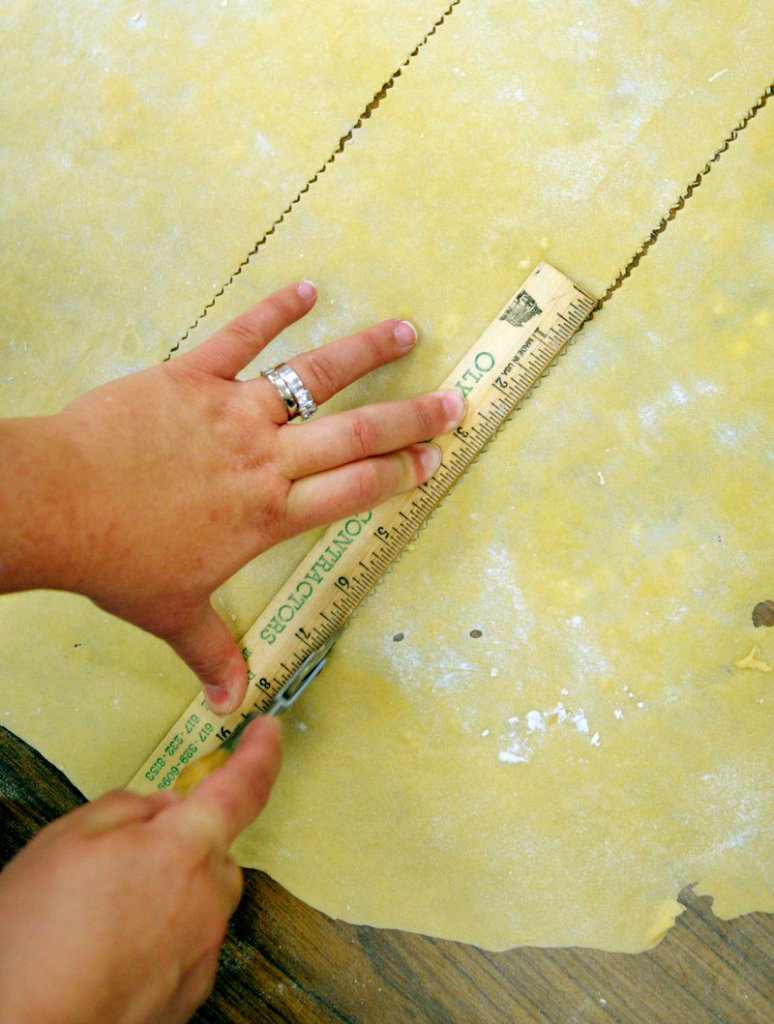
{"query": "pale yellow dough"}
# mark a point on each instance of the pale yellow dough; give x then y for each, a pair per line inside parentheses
(558, 779)
(146, 147)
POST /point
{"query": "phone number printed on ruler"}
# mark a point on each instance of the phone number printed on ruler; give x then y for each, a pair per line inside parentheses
(317, 599)
(184, 746)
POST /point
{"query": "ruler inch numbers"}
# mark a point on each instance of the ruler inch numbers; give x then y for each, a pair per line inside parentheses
(315, 602)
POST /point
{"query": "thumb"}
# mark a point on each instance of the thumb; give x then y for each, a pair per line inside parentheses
(205, 644)
(226, 801)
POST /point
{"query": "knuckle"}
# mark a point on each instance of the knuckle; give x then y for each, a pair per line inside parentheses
(277, 307)
(208, 661)
(246, 329)
(230, 804)
(269, 524)
(375, 338)
(324, 372)
(429, 415)
(367, 485)
(363, 435)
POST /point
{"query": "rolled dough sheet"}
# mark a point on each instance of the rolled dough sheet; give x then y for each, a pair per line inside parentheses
(431, 214)
(146, 148)
(557, 780)
(526, 131)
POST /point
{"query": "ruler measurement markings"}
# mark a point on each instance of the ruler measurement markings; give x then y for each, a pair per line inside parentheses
(497, 373)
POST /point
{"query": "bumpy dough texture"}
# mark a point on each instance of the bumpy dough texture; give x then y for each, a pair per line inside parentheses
(524, 131)
(146, 148)
(558, 779)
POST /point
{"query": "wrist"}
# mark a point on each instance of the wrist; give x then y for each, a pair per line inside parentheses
(40, 507)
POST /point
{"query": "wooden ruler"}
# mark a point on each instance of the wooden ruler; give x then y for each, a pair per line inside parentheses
(315, 602)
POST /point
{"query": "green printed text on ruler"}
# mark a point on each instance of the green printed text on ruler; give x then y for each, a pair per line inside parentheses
(494, 376)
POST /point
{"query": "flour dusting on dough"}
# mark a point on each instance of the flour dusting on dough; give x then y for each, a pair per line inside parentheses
(518, 738)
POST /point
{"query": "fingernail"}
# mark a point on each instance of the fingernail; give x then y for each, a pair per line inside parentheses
(429, 457)
(405, 334)
(218, 698)
(306, 289)
(455, 406)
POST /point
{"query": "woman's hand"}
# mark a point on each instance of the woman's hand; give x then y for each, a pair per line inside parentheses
(176, 477)
(116, 912)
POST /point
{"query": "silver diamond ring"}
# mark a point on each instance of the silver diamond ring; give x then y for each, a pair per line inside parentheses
(296, 398)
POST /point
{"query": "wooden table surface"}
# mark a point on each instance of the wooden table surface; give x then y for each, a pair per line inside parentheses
(284, 962)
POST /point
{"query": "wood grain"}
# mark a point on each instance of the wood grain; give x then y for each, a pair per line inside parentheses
(284, 962)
